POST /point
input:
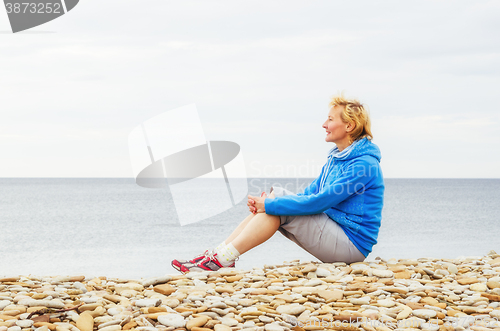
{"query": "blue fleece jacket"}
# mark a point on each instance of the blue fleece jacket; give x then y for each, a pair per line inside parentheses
(349, 189)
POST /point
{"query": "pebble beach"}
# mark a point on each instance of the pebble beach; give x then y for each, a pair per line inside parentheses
(379, 295)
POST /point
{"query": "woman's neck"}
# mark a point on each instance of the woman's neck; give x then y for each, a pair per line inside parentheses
(341, 145)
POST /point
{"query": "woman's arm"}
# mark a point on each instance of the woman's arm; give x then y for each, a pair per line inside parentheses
(314, 186)
(354, 180)
(311, 188)
(257, 205)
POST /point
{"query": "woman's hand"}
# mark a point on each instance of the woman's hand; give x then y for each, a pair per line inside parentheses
(256, 204)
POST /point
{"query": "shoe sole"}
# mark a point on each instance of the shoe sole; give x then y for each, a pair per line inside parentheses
(182, 264)
(175, 267)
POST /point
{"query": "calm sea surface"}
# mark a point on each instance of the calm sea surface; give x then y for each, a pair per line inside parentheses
(115, 228)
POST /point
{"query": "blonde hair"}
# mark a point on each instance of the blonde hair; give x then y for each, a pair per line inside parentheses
(354, 112)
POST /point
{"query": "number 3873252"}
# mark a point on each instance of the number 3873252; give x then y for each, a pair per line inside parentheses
(33, 8)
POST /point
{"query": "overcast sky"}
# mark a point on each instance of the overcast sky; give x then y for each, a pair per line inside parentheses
(261, 74)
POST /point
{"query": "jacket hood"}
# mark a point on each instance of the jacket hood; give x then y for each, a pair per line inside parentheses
(358, 148)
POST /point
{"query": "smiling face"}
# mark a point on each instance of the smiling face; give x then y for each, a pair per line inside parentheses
(336, 130)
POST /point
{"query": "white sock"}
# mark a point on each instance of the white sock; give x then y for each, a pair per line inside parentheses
(227, 254)
(221, 245)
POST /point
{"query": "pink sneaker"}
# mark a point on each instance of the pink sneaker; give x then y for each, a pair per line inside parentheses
(206, 262)
(184, 265)
(211, 263)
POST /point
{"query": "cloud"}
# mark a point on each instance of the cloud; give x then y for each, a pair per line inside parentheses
(261, 74)
(440, 128)
(439, 146)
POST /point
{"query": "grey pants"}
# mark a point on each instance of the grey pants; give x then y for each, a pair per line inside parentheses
(318, 234)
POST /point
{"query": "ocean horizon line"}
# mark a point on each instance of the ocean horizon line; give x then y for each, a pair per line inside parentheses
(454, 178)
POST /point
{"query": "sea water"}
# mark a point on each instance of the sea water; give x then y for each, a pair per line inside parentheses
(112, 227)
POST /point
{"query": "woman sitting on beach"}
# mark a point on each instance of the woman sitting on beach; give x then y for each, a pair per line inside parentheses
(336, 219)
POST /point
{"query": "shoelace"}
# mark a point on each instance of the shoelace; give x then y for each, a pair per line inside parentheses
(211, 255)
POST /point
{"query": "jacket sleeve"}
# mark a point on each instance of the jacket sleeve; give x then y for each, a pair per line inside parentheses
(314, 186)
(311, 188)
(353, 180)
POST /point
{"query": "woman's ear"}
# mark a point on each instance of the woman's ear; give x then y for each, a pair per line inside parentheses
(350, 126)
